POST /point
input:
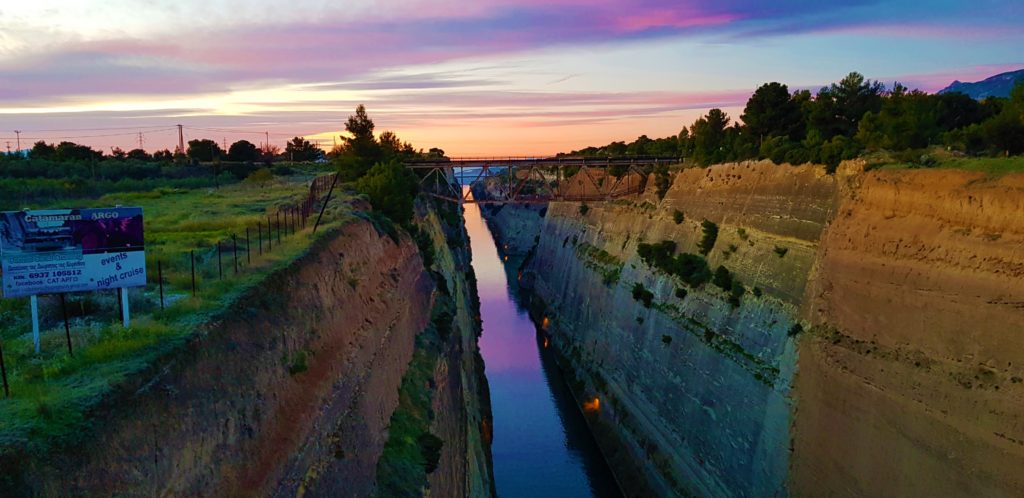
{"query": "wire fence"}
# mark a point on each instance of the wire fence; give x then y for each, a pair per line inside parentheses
(227, 258)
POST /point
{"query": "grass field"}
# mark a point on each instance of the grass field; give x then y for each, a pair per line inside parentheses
(51, 392)
(938, 158)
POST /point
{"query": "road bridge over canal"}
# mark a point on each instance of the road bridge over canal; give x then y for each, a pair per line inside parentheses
(536, 180)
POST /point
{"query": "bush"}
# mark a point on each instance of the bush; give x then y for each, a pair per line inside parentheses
(430, 447)
(667, 339)
(640, 293)
(391, 189)
(677, 216)
(722, 278)
(260, 176)
(681, 293)
(736, 293)
(795, 330)
(781, 251)
(691, 268)
(662, 180)
(707, 241)
(584, 209)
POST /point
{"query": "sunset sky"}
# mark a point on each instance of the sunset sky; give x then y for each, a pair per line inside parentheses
(482, 77)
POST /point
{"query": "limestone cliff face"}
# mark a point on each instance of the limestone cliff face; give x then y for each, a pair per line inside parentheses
(905, 382)
(230, 413)
(461, 400)
(912, 383)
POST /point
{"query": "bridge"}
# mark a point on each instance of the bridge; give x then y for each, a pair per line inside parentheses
(536, 180)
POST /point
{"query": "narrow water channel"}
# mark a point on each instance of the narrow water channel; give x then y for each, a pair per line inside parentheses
(542, 446)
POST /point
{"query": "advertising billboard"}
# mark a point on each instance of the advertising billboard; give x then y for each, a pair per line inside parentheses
(71, 250)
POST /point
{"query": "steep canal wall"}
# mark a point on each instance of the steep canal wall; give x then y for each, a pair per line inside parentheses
(293, 390)
(859, 340)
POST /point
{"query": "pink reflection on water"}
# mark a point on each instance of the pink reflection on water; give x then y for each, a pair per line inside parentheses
(508, 341)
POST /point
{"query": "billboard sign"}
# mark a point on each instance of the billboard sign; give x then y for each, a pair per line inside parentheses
(71, 250)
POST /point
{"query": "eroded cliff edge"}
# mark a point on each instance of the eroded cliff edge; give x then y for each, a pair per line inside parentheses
(288, 392)
(869, 352)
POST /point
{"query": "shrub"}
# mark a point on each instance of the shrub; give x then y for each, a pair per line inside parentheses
(299, 363)
(667, 339)
(681, 293)
(691, 268)
(736, 293)
(584, 209)
(430, 447)
(640, 293)
(795, 330)
(662, 180)
(260, 176)
(722, 278)
(391, 189)
(677, 216)
(707, 241)
(742, 233)
(781, 251)
(757, 292)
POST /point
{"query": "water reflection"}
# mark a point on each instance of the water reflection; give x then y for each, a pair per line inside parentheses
(542, 446)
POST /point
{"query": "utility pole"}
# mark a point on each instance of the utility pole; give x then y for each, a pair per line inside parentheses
(224, 142)
(268, 141)
(181, 141)
(140, 141)
(8, 147)
(18, 134)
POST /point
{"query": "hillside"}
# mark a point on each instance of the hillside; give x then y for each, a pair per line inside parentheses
(995, 86)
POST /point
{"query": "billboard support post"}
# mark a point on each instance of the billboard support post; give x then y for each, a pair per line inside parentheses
(160, 281)
(67, 326)
(124, 307)
(34, 302)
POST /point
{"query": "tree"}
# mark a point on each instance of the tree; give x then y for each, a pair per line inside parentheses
(771, 111)
(709, 137)
(139, 155)
(118, 153)
(204, 150)
(391, 188)
(393, 147)
(163, 156)
(70, 151)
(243, 151)
(300, 149)
(43, 150)
(360, 151)
(838, 109)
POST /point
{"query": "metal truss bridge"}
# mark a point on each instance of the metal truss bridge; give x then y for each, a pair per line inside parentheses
(531, 180)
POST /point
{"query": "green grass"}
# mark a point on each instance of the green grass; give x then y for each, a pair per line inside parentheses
(941, 159)
(52, 392)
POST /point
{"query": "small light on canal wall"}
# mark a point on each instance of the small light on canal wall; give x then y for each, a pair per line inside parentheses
(544, 324)
(546, 343)
(592, 405)
(506, 258)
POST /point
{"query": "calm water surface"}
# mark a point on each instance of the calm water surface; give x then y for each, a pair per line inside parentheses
(542, 446)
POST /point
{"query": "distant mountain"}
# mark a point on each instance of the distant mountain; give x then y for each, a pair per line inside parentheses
(996, 86)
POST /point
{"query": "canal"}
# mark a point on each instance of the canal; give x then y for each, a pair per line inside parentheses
(542, 446)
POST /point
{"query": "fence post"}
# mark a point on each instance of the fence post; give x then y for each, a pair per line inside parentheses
(259, 228)
(220, 264)
(324, 207)
(248, 255)
(234, 251)
(277, 216)
(192, 253)
(160, 281)
(270, 235)
(67, 326)
(3, 371)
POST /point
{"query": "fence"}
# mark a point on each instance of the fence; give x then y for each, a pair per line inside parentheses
(286, 221)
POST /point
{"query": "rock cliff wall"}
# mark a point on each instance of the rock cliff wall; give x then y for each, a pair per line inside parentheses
(871, 351)
(289, 392)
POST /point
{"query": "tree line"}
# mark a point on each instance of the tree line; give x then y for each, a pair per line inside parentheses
(199, 150)
(842, 121)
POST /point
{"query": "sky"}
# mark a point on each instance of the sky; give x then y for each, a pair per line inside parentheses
(475, 78)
